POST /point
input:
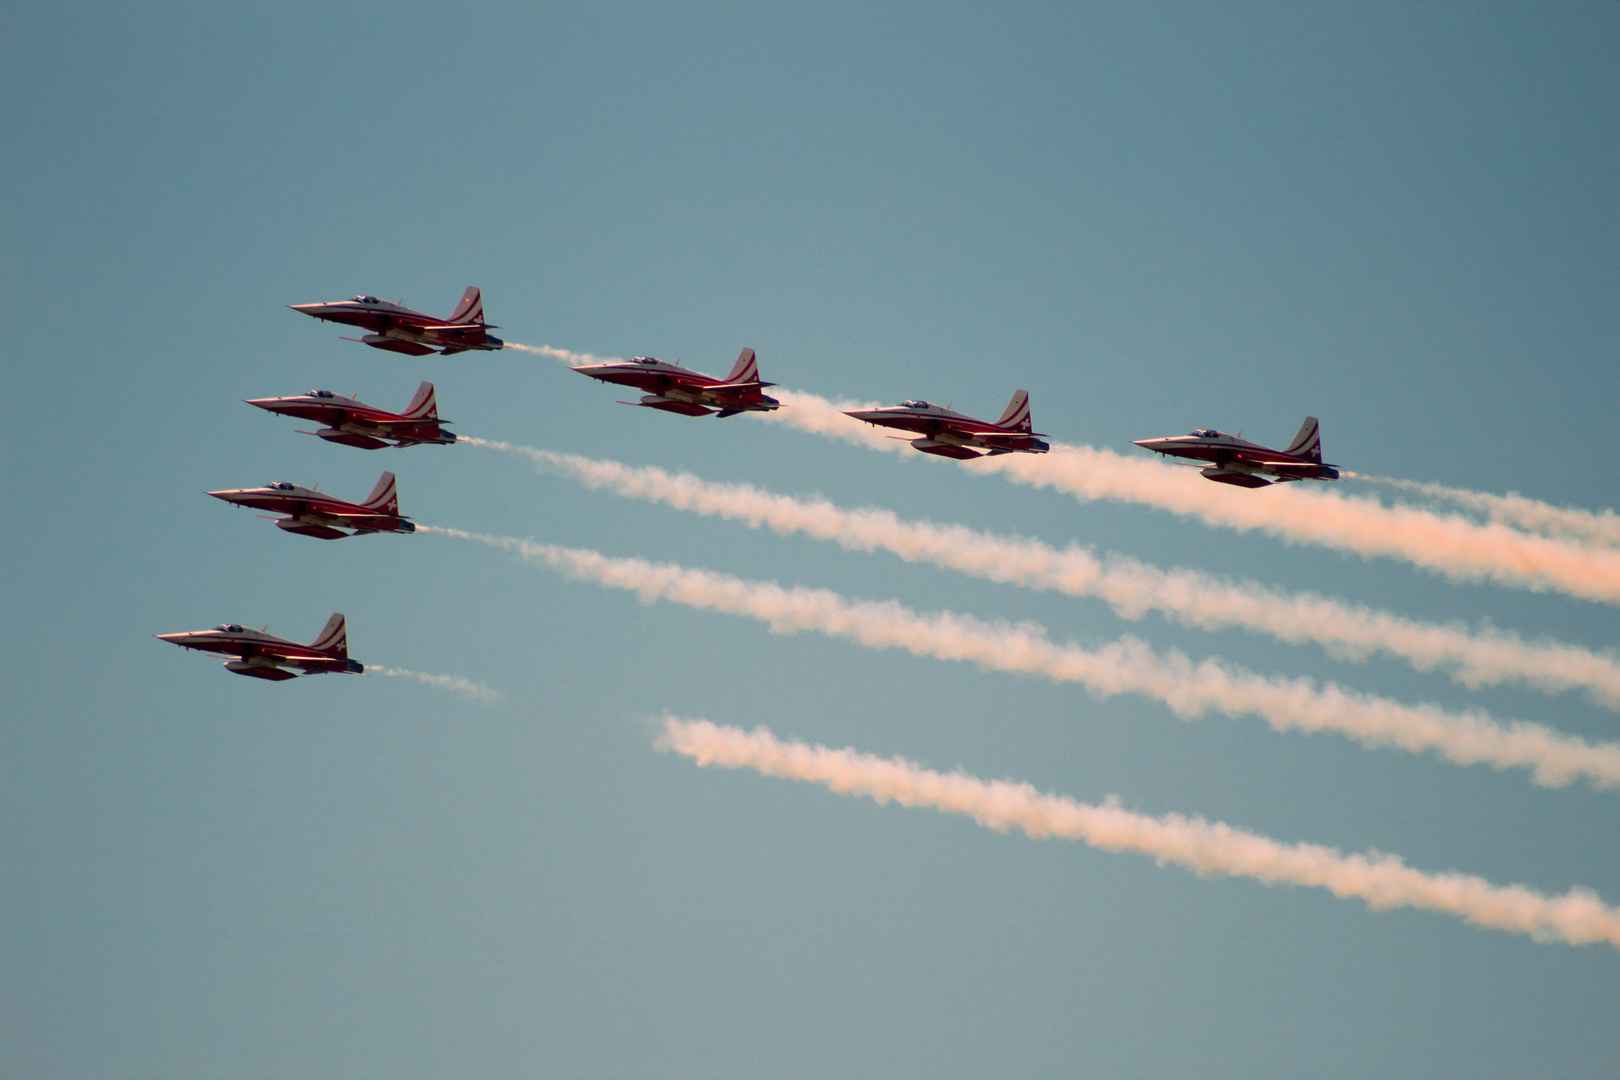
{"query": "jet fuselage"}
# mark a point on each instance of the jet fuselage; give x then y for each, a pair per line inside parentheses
(400, 329)
(354, 423)
(673, 388)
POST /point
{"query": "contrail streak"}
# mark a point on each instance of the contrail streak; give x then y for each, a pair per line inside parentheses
(1348, 631)
(1209, 849)
(1596, 527)
(1449, 544)
(572, 359)
(1126, 666)
(476, 691)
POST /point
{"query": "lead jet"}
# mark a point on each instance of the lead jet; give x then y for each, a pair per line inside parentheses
(1238, 462)
(950, 434)
(673, 388)
(354, 423)
(262, 656)
(315, 514)
(399, 329)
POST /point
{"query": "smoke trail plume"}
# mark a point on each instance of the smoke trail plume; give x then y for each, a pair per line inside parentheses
(1209, 849)
(572, 359)
(1532, 515)
(1348, 631)
(1449, 544)
(1126, 666)
(476, 691)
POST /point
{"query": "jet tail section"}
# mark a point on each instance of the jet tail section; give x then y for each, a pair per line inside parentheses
(746, 369)
(335, 638)
(471, 308)
(1016, 418)
(423, 406)
(385, 496)
(1308, 443)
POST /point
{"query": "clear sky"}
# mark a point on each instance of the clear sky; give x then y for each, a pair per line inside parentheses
(1154, 217)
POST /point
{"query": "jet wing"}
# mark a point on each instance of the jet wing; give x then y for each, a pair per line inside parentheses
(740, 385)
(456, 328)
(1000, 436)
(357, 517)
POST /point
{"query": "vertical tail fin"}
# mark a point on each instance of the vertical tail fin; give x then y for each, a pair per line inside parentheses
(384, 496)
(746, 369)
(471, 308)
(1308, 443)
(1016, 418)
(335, 638)
(423, 406)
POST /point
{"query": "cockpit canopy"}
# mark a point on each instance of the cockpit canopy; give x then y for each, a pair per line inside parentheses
(230, 628)
(910, 404)
(645, 360)
(320, 394)
(280, 485)
(367, 300)
(1205, 433)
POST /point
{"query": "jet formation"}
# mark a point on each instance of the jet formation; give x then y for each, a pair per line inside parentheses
(347, 421)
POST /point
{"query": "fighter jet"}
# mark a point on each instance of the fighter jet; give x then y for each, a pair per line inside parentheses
(1239, 462)
(260, 655)
(675, 389)
(399, 329)
(322, 516)
(354, 423)
(950, 434)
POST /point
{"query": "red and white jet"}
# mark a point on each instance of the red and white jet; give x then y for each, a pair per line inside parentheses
(1239, 462)
(319, 515)
(950, 434)
(402, 330)
(675, 389)
(354, 423)
(261, 656)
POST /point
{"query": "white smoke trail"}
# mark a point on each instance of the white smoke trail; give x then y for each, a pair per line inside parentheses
(1596, 527)
(1349, 631)
(1209, 849)
(1126, 666)
(572, 359)
(1449, 544)
(476, 691)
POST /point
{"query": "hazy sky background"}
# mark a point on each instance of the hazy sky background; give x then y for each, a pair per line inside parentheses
(1154, 217)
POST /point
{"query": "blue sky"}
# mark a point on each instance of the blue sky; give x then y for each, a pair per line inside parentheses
(1152, 216)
